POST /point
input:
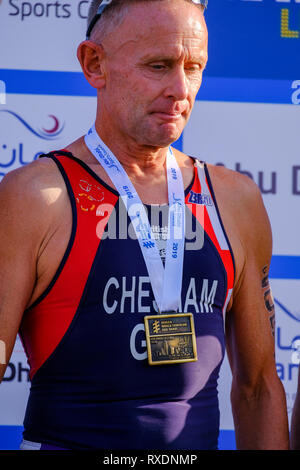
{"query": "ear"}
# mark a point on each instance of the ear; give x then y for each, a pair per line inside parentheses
(90, 56)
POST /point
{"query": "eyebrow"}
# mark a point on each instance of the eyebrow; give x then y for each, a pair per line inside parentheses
(171, 58)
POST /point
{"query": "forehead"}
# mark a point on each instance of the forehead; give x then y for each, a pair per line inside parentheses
(175, 28)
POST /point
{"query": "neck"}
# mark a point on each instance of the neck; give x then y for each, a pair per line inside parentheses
(137, 159)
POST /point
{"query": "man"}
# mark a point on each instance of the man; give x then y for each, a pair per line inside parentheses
(115, 359)
(295, 425)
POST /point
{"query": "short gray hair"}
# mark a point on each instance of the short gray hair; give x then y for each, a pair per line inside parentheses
(113, 15)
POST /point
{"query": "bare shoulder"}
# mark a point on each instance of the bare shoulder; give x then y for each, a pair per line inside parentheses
(30, 176)
(234, 182)
(27, 194)
(30, 181)
(240, 193)
(244, 216)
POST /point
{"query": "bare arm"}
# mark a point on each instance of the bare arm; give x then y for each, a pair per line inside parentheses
(257, 395)
(295, 426)
(23, 230)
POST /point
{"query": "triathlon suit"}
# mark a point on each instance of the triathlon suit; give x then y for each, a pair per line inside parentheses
(91, 384)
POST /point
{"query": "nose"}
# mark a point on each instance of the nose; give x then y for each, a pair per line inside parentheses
(177, 86)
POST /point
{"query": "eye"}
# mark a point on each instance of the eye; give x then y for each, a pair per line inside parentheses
(158, 66)
(193, 67)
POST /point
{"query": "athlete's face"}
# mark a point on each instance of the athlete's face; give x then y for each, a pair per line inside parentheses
(153, 70)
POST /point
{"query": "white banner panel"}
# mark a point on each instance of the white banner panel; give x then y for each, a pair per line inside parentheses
(50, 33)
(261, 140)
(39, 124)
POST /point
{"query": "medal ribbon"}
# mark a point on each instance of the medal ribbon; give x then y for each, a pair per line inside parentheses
(166, 282)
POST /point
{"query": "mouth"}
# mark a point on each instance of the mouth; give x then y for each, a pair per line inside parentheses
(168, 117)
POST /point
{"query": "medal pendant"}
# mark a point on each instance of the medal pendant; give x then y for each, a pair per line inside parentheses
(170, 338)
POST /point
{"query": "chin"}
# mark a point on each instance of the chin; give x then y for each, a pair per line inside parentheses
(164, 139)
(162, 135)
(167, 141)
(161, 143)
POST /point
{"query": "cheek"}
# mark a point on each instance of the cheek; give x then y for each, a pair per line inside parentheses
(124, 91)
(195, 84)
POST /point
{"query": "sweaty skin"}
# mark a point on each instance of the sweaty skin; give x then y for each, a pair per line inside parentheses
(147, 79)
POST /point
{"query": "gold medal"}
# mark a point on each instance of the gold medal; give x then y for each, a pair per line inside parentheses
(170, 338)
